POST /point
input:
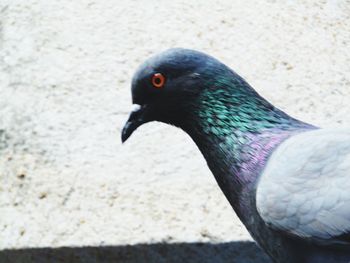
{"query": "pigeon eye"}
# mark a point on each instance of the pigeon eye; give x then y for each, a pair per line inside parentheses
(158, 80)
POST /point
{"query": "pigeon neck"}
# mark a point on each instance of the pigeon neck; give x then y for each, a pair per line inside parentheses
(236, 141)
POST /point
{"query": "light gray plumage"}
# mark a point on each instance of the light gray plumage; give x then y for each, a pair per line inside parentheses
(304, 190)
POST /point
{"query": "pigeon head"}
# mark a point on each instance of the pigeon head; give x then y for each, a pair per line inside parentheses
(198, 93)
(166, 87)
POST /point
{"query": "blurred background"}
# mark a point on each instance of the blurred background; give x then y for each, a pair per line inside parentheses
(71, 192)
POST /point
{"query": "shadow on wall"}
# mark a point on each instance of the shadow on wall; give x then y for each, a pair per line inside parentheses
(231, 252)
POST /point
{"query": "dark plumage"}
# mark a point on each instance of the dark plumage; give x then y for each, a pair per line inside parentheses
(288, 181)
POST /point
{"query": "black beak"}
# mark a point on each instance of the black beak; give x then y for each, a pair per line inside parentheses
(136, 119)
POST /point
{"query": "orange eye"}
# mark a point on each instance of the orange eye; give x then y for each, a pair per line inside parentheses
(158, 80)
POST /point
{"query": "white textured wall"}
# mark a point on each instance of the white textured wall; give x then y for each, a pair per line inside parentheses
(65, 178)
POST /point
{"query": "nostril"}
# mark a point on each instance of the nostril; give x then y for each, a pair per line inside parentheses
(135, 107)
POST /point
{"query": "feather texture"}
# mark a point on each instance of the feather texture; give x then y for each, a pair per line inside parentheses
(304, 189)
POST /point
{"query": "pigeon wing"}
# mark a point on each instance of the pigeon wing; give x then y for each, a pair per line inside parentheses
(304, 189)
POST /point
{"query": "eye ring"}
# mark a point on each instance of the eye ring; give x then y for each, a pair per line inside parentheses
(158, 80)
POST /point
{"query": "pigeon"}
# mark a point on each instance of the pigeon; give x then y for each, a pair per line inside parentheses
(288, 181)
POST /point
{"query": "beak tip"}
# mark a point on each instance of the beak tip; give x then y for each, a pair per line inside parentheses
(123, 139)
(124, 136)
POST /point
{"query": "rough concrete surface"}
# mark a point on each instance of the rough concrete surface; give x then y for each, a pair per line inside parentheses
(66, 180)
